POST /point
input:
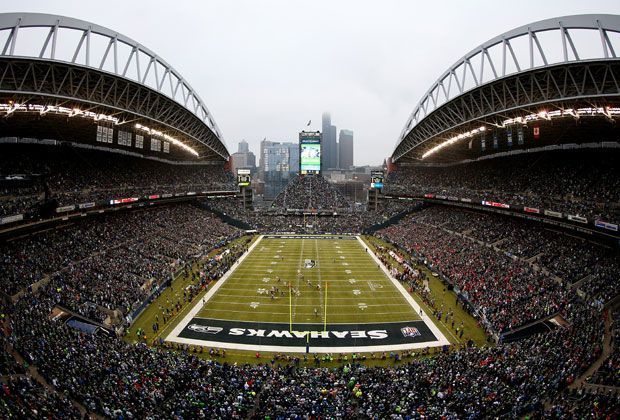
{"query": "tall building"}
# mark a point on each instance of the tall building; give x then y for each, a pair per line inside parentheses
(243, 158)
(345, 149)
(333, 136)
(243, 147)
(329, 155)
(278, 162)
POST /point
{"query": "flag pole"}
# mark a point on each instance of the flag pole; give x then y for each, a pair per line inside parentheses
(290, 307)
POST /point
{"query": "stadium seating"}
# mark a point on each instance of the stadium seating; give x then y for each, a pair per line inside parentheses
(279, 220)
(74, 175)
(111, 263)
(580, 182)
(511, 272)
(310, 192)
(486, 256)
(111, 378)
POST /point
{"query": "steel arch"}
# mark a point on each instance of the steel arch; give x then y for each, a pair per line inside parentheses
(472, 90)
(142, 67)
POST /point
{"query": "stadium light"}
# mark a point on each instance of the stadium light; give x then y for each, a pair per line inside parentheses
(453, 140)
(166, 137)
(606, 111)
(11, 107)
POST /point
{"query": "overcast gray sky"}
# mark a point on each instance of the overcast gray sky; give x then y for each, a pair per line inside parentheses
(265, 67)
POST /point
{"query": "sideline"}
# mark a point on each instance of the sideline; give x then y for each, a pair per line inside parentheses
(174, 334)
(441, 339)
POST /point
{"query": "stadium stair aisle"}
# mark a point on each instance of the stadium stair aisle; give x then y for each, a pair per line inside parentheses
(34, 374)
(607, 349)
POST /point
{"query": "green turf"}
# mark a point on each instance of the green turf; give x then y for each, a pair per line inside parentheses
(238, 356)
(353, 287)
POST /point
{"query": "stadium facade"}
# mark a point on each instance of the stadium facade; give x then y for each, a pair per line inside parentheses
(68, 77)
(517, 82)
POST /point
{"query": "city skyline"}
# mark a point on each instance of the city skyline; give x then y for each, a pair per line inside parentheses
(335, 154)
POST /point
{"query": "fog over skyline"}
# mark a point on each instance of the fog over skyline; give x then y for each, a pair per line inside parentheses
(266, 67)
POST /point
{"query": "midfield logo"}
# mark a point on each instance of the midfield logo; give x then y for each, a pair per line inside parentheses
(410, 332)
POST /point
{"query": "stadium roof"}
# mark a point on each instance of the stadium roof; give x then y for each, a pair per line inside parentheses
(562, 63)
(57, 58)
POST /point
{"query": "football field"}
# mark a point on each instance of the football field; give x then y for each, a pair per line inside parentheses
(317, 292)
(332, 274)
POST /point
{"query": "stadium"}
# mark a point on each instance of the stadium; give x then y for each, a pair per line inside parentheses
(480, 279)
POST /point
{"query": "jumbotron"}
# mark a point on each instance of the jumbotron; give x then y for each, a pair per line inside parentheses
(144, 276)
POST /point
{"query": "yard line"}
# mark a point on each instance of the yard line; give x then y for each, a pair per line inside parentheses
(302, 305)
(332, 290)
(299, 266)
(267, 297)
(321, 303)
(286, 313)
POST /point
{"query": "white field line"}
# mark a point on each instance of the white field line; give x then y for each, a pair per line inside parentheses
(266, 297)
(441, 339)
(302, 349)
(307, 323)
(174, 334)
(246, 311)
(307, 305)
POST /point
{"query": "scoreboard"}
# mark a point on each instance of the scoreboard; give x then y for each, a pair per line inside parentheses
(376, 179)
(244, 179)
(310, 152)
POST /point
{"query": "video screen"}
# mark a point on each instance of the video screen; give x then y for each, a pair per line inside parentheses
(244, 179)
(376, 179)
(310, 157)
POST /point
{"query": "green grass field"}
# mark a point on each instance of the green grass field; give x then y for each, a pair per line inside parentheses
(438, 293)
(353, 288)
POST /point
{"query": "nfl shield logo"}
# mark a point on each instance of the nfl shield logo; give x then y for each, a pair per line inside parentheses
(410, 332)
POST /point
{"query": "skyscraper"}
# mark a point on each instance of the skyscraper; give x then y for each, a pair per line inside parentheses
(243, 147)
(345, 149)
(244, 158)
(278, 162)
(333, 135)
(329, 147)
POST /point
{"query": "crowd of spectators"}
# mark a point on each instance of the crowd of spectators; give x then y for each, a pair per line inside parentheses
(113, 262)
(110, 377)
(570, 258)
(609, 372)
(310, 192)
(119, 380)
(509, 380)
(24, 398)
(579, 182)
(507, 290)
(602, 282)
(274, 221)
(353, 223)
(73, 176)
